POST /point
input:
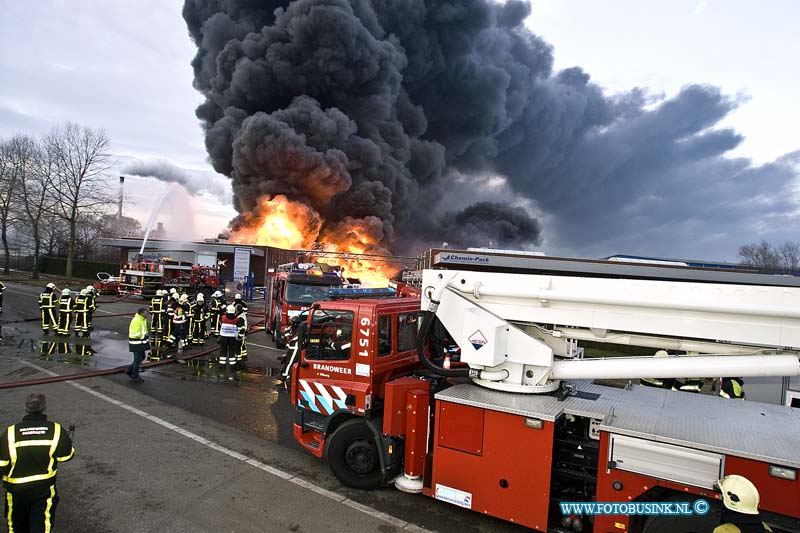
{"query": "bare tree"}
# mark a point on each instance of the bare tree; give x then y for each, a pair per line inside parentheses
(34, 191)
(761, 256)
(790, 256)
(82, 159)
(9, 179)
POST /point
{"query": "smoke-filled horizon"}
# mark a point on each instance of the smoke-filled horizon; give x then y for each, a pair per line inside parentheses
(402, 116)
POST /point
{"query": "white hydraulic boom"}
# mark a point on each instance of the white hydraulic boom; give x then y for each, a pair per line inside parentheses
(519, 332)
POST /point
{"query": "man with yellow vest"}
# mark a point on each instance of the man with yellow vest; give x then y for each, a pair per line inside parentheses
(740, 513)
(29, 455)
(138, 343)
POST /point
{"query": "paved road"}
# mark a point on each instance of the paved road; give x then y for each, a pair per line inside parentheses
(190, 450)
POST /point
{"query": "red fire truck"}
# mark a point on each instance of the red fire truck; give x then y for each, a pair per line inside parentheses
(292, 289)
(144, 277)
(518, 426)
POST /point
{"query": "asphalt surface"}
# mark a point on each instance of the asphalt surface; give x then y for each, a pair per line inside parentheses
(190, 449)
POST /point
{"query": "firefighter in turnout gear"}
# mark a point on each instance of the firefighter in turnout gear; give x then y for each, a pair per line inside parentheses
(215, 311)
(231, 326)
(199, 317)
(157, 311)
(732, 388)
(169, 313)
(64, 312)
(47, 304)
(188, 309)
(92, 301)
(662, 383)
(740, 499)
(241, 307)
(82, 313)
(180, 324)
(29, 455)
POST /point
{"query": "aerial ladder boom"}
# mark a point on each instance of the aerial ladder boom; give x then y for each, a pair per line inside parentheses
(519, 332)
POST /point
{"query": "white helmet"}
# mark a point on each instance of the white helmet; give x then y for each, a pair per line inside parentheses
(200, 297)
(662, 353)
(51, 285)
(84, 292)
(184, 298)
(231, 309)
(217, 294)
(89, 288)
(739, 494)
(66, 292)
(173, 290)
(237, 297)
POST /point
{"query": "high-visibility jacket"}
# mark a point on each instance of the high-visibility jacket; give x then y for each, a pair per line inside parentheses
(30, 452)
(229, 326)
(81, 304)
(137, 333)
(65, 304)
(732, 388)
(157, 304)
(46, 300)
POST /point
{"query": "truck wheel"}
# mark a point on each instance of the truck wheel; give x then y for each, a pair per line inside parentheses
(683, 524)
(353, 456)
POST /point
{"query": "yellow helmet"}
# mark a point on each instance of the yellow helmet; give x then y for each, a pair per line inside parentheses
(739, 494)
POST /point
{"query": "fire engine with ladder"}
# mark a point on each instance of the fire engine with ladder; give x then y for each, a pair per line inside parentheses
(519, 425)
(144, 277)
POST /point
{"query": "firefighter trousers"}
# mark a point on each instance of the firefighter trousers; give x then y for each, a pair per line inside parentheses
(63, 322)
(34, 514)
(82, 322)
(228, 350)
(156, 324)
(49, 319)
(198, 332)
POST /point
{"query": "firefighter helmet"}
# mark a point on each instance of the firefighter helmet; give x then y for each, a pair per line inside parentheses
(84, 292)
(51, 285)
(217, 294)
(231, 309)
(184, 298)
(662, 353)
(173, 290)
(66, 292)
(739, 494)
(200, 297)
(237, 297)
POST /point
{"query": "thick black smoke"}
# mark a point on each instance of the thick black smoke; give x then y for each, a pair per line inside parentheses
(374, 110)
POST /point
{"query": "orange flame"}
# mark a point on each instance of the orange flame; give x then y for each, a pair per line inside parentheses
(282, 223)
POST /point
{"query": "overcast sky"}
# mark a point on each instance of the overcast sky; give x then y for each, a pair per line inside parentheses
(124, 66)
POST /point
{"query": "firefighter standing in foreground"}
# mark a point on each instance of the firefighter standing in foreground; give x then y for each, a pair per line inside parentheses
(138, 343)
(47, 304)
(241, 311)
(199, 317)
(29, 455)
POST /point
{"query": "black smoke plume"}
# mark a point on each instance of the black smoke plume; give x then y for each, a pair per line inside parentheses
(370, 110)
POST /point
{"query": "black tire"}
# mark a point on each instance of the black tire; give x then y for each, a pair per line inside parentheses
(353, 457)
(683, 524)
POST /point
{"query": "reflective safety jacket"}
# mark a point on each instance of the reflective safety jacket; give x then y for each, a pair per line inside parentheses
(217, 305)
(82, 304)
(157, 304)
(65, 304)
(2, 287)
(47, 300)
(199, 312)
(30, 452)
(732, 388)
(137, 333)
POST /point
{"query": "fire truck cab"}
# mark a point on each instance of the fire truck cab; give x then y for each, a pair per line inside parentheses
(352, 349)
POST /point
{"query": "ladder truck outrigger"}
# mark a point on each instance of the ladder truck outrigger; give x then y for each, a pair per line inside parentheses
(518, 426)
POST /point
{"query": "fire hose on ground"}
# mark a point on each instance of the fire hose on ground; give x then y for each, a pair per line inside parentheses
(118, 369)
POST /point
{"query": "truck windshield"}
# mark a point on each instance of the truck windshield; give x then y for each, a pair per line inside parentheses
(297, 294)
(330, 334)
